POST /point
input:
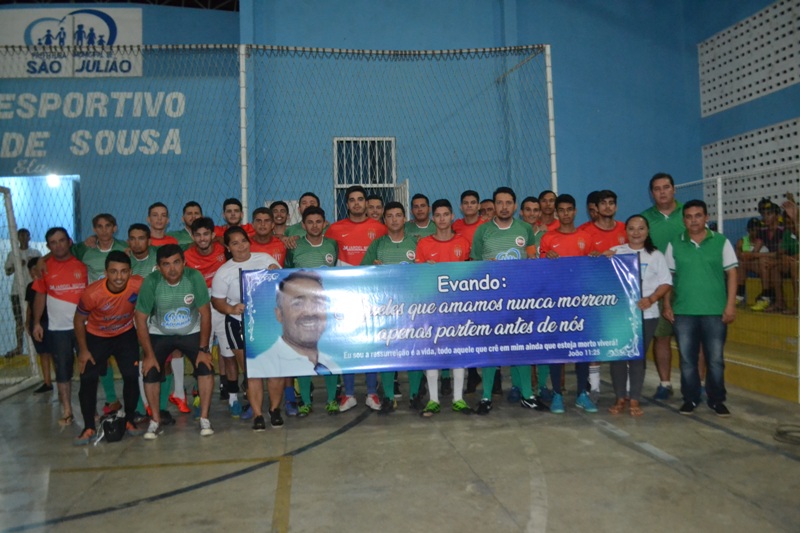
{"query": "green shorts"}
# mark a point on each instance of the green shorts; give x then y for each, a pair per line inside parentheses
(664, 328)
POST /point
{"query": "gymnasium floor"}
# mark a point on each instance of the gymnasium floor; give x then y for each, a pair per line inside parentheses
(514, 470)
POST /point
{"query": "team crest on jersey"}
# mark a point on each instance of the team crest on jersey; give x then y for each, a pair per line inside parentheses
(188, 299)
(221, 258)
(133, 297)
(457, 251)
(621, 239)
(371, 234)
(77, 274)
(329, 258)
(581, 245)
(411, 255)
(520, 240)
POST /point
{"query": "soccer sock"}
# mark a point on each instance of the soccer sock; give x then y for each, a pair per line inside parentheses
(414, 381)
(163, 400)
(524, 373)
(667, 384)
(234, 397)
(594, 377)
(487, 375)
(331, 383)
(141, 407)
(304, 384)
(177, 375)
(445, 373)
(433, 377)
(387, 382)
(515, 379)
(289, 395)
(542, 373)
(108, 385)
(458, 383)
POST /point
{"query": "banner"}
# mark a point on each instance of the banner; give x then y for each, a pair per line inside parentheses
(444, 315)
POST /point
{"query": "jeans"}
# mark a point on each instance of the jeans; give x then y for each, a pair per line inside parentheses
(692, 332)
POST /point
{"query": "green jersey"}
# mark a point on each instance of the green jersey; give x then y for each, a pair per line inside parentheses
(183, 237)
(390, 252)
(307, 255)
(493, 242)
(173, 310)
(412, 230)
(95, 258)
(143, 267)
(664, 228)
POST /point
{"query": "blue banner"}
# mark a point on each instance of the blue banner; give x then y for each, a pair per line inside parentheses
(444, 315)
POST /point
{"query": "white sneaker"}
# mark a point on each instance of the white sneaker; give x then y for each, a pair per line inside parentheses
(373, 402)
(153, 431)
(347, 403)
(205, 428)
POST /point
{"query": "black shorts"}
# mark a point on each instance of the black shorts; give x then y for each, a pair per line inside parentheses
(235, 333)
(125, 349)
(164, 345)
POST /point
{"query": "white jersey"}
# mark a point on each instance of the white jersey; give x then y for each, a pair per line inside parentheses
(226, 280)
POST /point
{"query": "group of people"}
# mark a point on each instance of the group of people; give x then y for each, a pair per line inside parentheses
(161, 296)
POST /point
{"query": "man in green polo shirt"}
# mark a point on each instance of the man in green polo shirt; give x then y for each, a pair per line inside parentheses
(703, 264)
(666, 222)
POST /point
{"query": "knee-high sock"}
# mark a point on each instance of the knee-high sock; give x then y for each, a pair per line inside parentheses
(458, 383)
(433, 389)
(177, 375)
(108, 385)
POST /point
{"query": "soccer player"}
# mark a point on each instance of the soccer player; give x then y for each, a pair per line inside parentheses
(158, 219)
(207, 255)
(307, 199)
(103, 325)
(143, 255)
(233, 215)
(280, 217)
(25, 254)
(226, 299)
(59, 289)
(665, 217)
(353, 235)
(467, 225)
(314, 250)
(487, 209)
(191, 212)
(703, 263)
(568, 241)
(505, 238)
(547, 202)
(173, 313)
(420, 225)
(591, 209)
(396, 247)
(444, 246)
(375, 207)
(264, 240)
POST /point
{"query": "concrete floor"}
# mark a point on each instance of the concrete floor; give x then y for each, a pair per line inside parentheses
(514, 470)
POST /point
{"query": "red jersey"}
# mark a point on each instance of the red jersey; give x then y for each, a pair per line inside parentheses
(275, 248)
(353, 238)
(206, 264)
(467, 230)
(573, 244)
(219, 231)
(109, 314)
(161, 241)
(63, 283)
(605, 239)
(554, 225)
(449, 251)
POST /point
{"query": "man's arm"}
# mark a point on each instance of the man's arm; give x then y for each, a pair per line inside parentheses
(729, 315)
(38, 310)
(203, 356)
(84, 356)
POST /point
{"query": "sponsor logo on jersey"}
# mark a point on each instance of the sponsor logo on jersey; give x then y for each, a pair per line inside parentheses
(188, 299)
(411, 255)
(508, 255)
(177, 319)
(329, 258)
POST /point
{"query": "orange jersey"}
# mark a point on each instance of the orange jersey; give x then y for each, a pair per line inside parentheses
(206, 264)
(275, 248)
(63, 283)
(450, 251)
(573, 244)
(109, 314)
(554, 225)
(603, 239)
(219, 231)
(161, 241)
(353, 238)
(467, 230)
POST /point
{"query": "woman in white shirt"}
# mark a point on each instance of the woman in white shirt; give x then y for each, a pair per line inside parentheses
(656, 282)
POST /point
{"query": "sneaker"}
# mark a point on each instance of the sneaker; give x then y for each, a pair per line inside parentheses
(138, 417)
(275, 418)
(373, 402)
(761, 304)
(446, 387)
(387, 406)
(397, 392)
(431, 409)
(739, 300)
(247, 413)
(153, 431)
(415, 404)
(663, 393)
(205, 428)
(339, 391)
(332, 407)
(304, 410)
(484, 406)
(533, 403)
(166, 418)
(461, 406)
(557, 405)
(87, 436)
(259, 424)
(585, 402)
(132, 430)
(44, 387)
(473, 380)
(347, 403)
(292, 409)
(148, 411)
(110, 408)
(235, 408)
(546, 395)
(514, 395)
(720, 409)
(687, 408)
(180, 403)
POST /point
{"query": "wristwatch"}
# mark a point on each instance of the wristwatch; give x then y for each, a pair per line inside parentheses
(204, 349)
